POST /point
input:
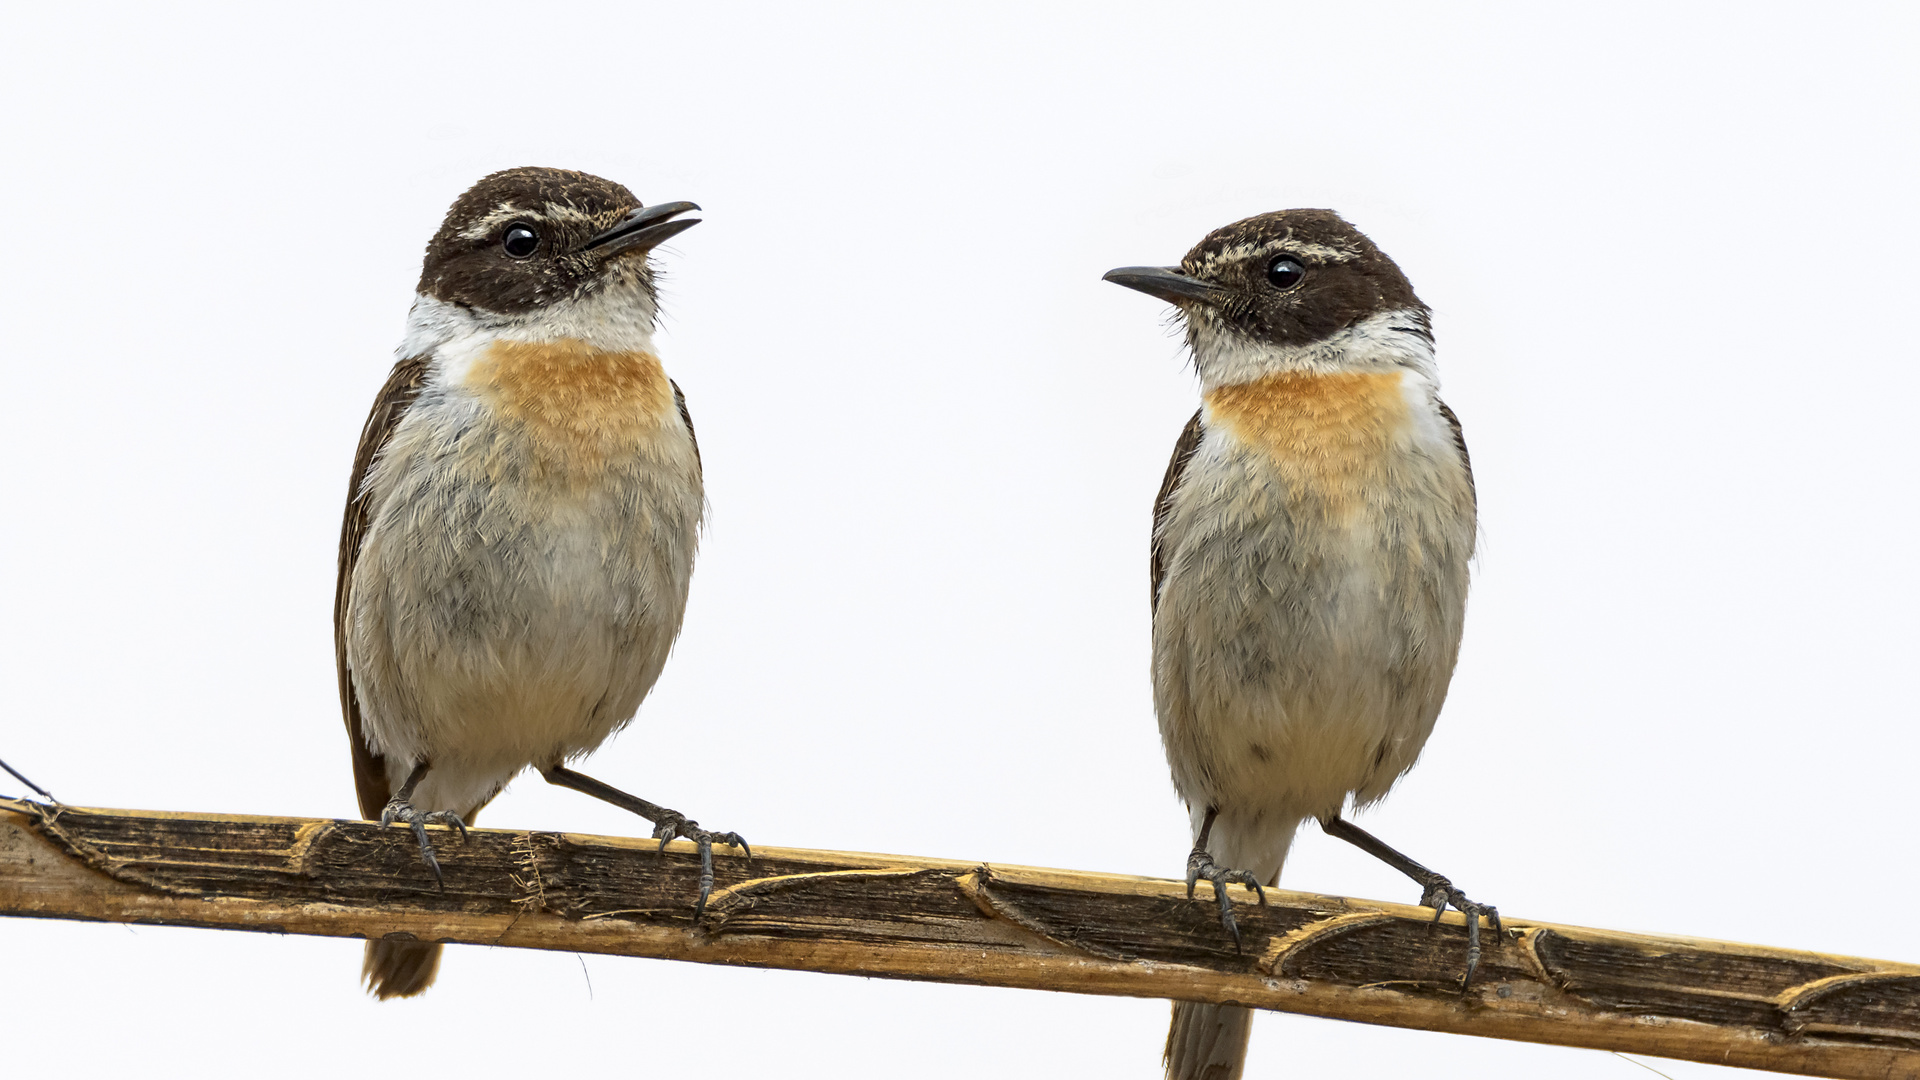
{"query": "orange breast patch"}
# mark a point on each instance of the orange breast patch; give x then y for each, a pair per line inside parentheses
(580, 404)
(1328, 435)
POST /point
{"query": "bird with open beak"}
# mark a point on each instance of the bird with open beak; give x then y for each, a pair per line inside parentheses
(521, 520)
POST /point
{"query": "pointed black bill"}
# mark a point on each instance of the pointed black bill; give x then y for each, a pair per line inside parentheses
(643, 230)
(1167, 283)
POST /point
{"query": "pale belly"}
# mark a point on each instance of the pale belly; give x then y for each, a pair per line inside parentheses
(504, 617)
(1303, 645)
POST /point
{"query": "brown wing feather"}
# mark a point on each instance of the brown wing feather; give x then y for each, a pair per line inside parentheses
(1460, 440)
(680, 400)
(1163, 504)
(402, 387)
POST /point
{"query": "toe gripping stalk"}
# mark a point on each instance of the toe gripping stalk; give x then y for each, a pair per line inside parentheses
(1436, 892)
(1201, 865)
(400, 808)
(667, 824)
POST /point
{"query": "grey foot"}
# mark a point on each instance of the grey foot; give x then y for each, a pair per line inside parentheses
(399, 809)
(674, 825)
(1440, 895)
(1201, 865)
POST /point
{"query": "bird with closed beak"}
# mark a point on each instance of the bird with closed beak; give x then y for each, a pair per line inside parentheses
(1309, 562)
(521, 519)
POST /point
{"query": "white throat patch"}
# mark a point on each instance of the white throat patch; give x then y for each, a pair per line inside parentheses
(1227, 357)
(615, 317)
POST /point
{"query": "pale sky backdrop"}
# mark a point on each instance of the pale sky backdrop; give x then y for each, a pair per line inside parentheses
(1671, 251)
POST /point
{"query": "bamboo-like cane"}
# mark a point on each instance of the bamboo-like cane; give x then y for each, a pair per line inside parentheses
(969, 922)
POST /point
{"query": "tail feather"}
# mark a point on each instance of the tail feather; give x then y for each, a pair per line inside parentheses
(394, 968)
(400, 968)
(1207, 1042)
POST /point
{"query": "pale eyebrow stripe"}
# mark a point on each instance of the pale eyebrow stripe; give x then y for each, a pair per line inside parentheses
(1324, 253)
(508, 211)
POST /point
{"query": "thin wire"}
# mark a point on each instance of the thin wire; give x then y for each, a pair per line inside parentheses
(44, 793)
(1642, 1064)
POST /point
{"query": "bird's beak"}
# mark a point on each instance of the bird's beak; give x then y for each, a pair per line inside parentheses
(1167, 283)
(642, 230)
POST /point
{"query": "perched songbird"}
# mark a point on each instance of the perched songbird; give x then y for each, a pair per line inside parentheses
(521, 523)
(1309, 561)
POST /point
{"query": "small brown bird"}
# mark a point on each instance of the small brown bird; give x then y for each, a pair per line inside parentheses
(1309, 563)
(521, 521)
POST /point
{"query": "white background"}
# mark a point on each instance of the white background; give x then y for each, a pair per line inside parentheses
(1671, 253)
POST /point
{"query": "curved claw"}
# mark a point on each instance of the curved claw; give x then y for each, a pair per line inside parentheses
(1440, 895)
(1201, 865)
(426, 853)
(675, 826)
(706, 875)
(733, 839)
(451, 820)
(400, 810)
(1245, 877)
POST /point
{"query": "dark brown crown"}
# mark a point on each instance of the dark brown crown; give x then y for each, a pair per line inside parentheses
(466, 262)
(1347, 278)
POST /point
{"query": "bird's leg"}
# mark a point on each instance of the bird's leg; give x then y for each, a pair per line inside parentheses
(1436, 891)
(400, 808)
(1201, 865)
(667, 824)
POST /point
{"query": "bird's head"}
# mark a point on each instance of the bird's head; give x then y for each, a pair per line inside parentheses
(1281, 290)
(528, 240)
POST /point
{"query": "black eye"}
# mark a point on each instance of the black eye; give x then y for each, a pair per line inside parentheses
(520, 240)
(1285, 271)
